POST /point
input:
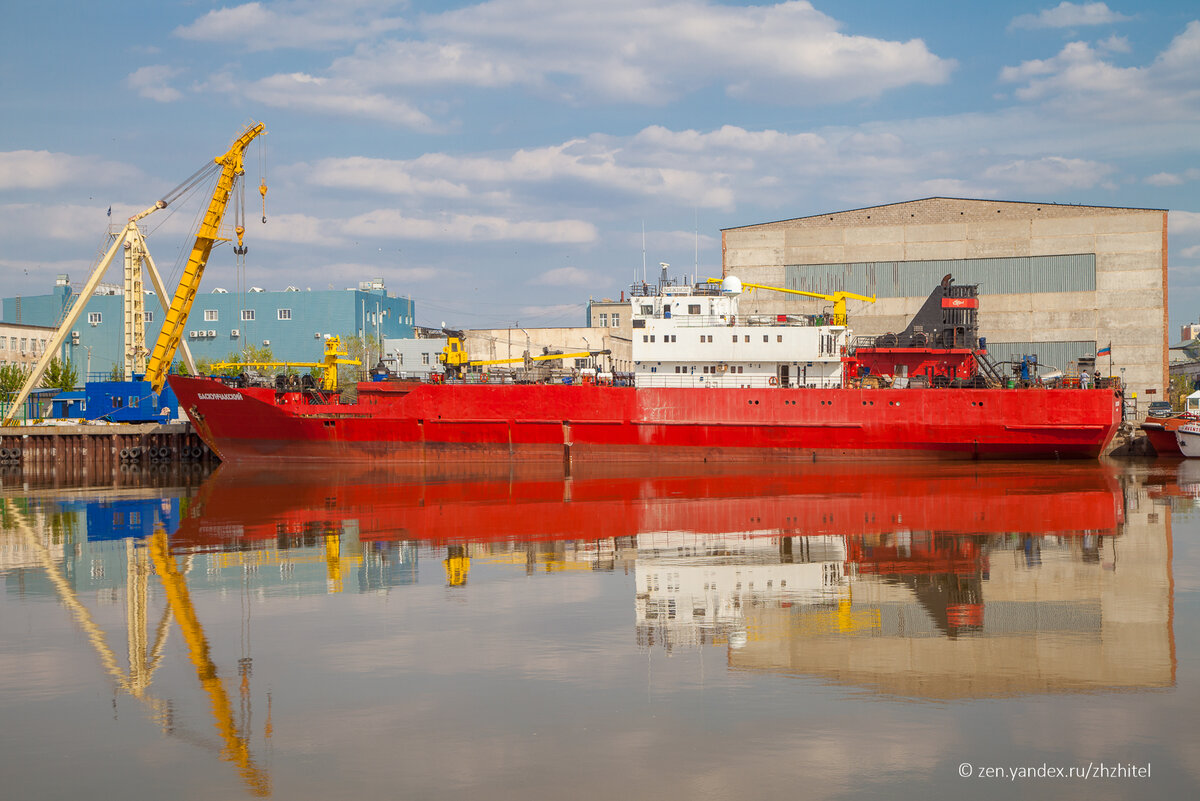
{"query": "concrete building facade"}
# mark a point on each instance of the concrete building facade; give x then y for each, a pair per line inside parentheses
(1060, 281)
(23, 345)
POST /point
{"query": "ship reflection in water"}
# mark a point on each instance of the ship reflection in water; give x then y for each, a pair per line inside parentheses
(499, 604)
(951, 581)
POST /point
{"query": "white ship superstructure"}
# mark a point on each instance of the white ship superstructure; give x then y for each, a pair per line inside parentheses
(693, 336)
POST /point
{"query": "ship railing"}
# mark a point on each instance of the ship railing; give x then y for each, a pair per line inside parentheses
(771, 320)
(735, 381)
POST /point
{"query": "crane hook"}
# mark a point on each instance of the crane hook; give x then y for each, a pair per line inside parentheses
(262, 190)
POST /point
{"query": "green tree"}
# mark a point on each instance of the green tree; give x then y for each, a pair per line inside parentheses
(60, 375)
(1179, 388)
(367, 350)
(12, 378)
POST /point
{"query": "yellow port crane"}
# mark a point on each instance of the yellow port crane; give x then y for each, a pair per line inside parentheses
(231, 165)
(838, 299)
(131, 240)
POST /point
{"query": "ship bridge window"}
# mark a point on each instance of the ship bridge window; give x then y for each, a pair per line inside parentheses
(648, 310)
(693, 308)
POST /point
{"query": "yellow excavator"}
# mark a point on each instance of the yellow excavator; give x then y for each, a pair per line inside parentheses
(454, 356)
(838, 299)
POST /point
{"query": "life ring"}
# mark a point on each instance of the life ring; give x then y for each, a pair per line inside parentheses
(773, 381)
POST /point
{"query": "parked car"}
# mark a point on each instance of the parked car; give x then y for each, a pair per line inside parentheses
(1159, 409)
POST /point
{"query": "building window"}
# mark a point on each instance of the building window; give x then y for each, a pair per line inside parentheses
(766, 338)
(616, 320)
(210, 315)
(247, 314)
(652, 337)
(604, 320)
(424, 358)
(95, 318)
(645, 337)
(24, 342)
(735, 337)
(779, 337)
(283, 314)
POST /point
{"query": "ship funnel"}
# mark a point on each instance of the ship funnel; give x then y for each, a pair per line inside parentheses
(731, 285)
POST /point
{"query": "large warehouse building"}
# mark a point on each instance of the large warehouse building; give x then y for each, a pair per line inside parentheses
(1062, 282)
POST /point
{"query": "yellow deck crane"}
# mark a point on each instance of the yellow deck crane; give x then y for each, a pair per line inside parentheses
(333, 354)
(454, 356)
(131, 240)
(838, 299)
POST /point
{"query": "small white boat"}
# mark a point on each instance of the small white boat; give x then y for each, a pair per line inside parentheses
(1188, 437)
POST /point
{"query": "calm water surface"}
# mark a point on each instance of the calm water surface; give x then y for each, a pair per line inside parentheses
(844, 631)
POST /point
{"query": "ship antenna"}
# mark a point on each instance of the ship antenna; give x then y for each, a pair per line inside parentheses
(696, 264)
(643, 251)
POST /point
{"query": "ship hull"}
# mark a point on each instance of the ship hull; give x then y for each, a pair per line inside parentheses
(444, 422)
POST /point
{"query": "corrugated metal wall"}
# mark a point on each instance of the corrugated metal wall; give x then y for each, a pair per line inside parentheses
(900, 279)
(1062, 355)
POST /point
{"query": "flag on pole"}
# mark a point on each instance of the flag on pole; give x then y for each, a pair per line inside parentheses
(110, 211)
(1105, 351)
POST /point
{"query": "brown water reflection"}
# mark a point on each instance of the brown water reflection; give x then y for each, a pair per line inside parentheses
(946, 583)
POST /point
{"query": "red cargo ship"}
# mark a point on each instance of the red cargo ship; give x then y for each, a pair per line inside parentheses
(705, 388)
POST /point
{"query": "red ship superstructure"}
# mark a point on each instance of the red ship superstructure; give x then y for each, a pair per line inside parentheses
(709, 384)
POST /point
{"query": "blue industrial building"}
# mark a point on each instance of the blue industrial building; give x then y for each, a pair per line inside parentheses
(292, 322)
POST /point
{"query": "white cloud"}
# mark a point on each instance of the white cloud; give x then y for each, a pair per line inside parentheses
(565, 276)
(393, 224)
(628, 51)
(304, 92)
(1048, 175)
(1183, 222)
(41, 169)
(255, 26)
(1164, 179)
(1069, 15)
(1078, 81)
(381, 175)
(651, 52)
(593, 162)
(153, 82)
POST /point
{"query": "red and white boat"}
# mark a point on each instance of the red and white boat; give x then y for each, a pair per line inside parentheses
(708, 385)
(1187, 436)
(1160, 431)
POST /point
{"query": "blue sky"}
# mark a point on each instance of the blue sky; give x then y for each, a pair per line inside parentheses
(498, 161)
